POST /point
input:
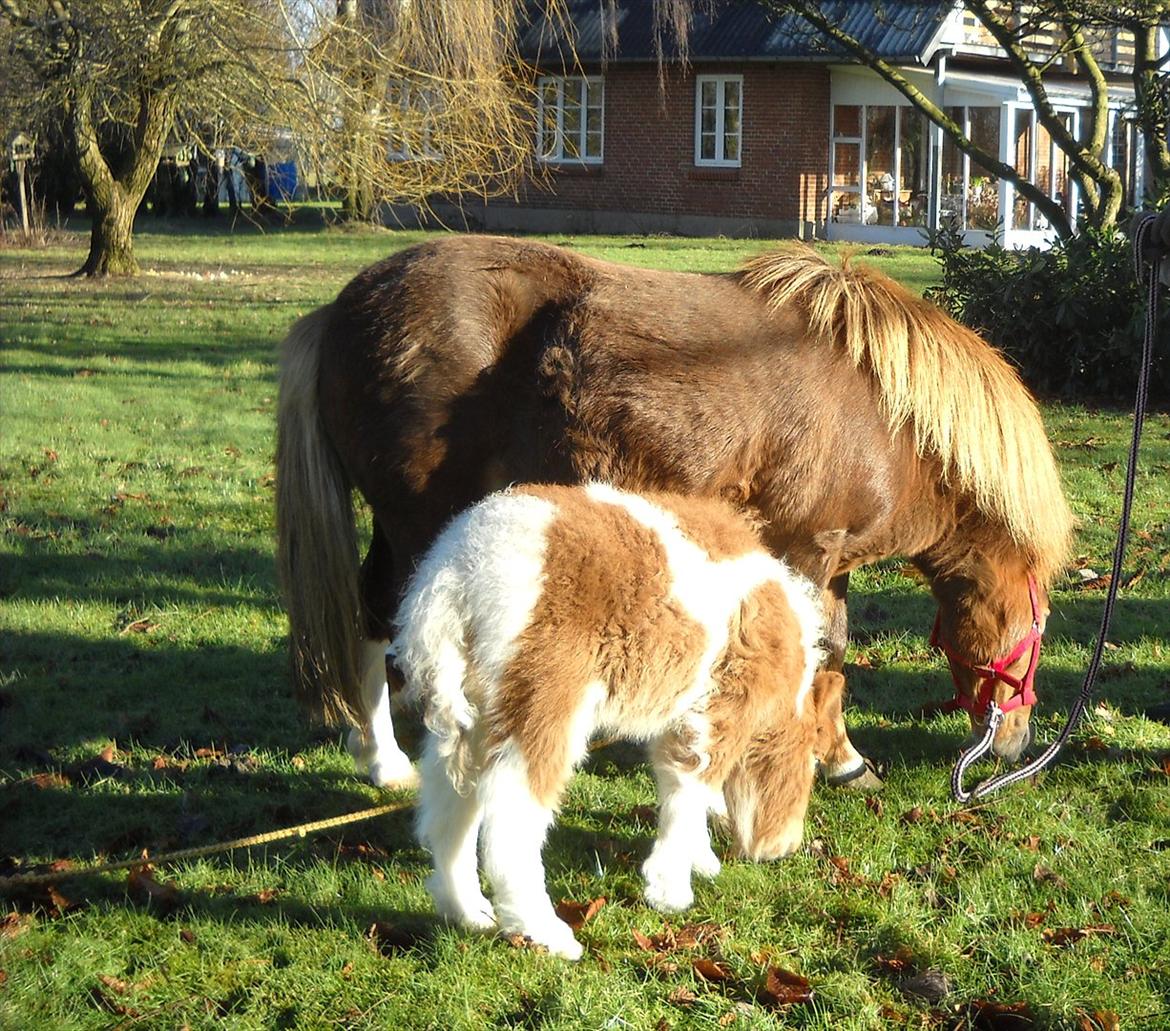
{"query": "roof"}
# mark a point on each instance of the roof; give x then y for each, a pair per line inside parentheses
(733, 30)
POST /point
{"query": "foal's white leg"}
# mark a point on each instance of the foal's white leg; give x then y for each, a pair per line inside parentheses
(373, 747)
(683, 842)
(448, 824)
(514, 827)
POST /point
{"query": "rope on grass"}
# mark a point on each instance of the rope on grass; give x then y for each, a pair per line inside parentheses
(251, 841)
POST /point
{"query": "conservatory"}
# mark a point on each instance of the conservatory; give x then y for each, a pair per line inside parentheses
(893, 175)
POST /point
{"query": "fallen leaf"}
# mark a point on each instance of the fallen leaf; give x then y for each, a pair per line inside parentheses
(900, 961)
(999, 1016)
(14, 924)
(139, 626)
(682, 996)
(1030, 920)
(114, 984)
(690, 935)
(141, 883)
(160, 762)
(112, 1005)
(187, 935)
(874, 805)
(784, 988)
(577, 914)
(886, 885)
(266, 895)
(642, 941)
(1040, 872)
(1107, 1020)
(51, 779)
(710, 970)
(1059, 937)
(912, 815)
(1031, 843)
(728, 1018)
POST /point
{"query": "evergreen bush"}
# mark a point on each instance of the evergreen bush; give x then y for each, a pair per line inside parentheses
(1071, 316)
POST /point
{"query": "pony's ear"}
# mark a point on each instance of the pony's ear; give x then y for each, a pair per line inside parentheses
(828, 693)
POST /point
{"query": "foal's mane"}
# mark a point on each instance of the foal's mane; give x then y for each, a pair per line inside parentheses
(964, 402)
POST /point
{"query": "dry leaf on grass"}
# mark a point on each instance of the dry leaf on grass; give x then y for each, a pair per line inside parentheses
(577, 914)
(784, 988)
(14, 924)
(143, 886)
(1059, 937)
(711, 970)
(682, 996)
(985, 1015)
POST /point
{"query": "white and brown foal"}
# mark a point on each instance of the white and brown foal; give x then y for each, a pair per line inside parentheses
(543, 615)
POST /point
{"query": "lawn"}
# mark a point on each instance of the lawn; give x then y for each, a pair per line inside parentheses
(144, 704)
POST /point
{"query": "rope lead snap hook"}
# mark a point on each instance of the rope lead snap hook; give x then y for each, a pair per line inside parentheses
(973, 754)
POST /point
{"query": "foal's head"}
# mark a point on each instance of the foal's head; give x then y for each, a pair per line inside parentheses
(767, 793)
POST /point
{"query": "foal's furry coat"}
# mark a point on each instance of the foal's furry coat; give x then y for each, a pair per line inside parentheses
(544, 614)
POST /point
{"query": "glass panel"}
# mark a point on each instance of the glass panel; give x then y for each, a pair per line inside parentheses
(571, 120)
(879, 166)
(951, 201)
(548, 125)
(593, 144)
(1120, 134)
(983, 188)
(595, 96)
(1022, 150)
(914, 173)
(707, 146)
(847, 120)
(846, 164)
(707, 120)
(709, 92)
(732, 107)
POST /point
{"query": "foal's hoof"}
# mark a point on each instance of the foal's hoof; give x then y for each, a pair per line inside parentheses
(862, 777)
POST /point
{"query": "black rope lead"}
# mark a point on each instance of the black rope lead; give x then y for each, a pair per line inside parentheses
(1149, 250)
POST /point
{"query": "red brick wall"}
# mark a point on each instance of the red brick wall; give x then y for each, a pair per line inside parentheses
(649, 148)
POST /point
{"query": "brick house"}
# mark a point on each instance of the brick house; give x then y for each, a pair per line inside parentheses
(766, 130)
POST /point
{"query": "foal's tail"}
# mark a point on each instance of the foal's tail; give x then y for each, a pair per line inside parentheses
(316, 552)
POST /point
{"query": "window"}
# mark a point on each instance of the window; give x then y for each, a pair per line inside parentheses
(570, 119)
(411, 110)
(718, 119)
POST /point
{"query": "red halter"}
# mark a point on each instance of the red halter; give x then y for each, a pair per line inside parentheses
(996, 670)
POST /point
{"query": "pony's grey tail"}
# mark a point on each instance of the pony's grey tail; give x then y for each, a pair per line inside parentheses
(316, 551)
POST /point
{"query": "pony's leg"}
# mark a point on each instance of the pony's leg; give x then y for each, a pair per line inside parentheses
(683, 843)
(448, 824)
(373, 747)
(514, 826)
(843, 765)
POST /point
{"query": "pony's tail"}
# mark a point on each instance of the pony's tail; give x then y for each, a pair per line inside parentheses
(431, 651)
(316, 552)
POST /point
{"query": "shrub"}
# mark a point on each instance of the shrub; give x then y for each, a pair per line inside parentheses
(1070, 316)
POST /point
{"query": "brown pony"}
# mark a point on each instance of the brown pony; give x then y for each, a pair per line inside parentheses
(857, 421)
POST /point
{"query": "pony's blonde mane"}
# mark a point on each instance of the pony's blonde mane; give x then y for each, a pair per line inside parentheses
(964, 403)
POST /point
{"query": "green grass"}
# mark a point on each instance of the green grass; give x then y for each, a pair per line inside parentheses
(138, 608)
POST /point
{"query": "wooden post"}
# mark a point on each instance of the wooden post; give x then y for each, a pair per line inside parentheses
(22, 196)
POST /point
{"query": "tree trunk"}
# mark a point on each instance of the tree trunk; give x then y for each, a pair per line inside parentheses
(111, 237)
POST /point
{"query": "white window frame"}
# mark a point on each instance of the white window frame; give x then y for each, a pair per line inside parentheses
(409, 96)
(557, 155)
(718, 161)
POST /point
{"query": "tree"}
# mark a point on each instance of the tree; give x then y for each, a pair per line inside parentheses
(125, 76)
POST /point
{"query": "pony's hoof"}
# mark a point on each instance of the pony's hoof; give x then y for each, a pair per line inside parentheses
(863, 777)
(393, 776)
